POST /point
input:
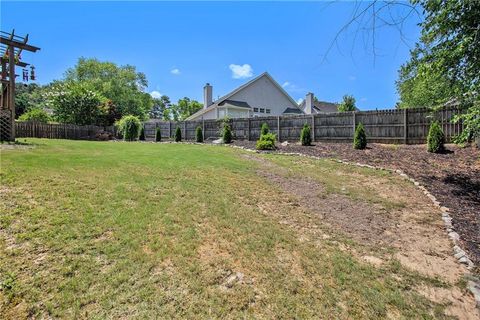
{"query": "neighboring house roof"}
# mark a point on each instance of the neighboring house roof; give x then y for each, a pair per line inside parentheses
(292, 110)
(239, 104)
(228, 95)
(321, 106)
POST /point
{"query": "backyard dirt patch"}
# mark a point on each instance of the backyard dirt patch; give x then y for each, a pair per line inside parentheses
(414, 232)
(452, 177)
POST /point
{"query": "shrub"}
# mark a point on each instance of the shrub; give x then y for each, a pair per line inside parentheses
(129, 126)
(436, 138)
(227, 133)
(38, 115)
(266, 142)
(178, 134)
(142, 133)
(306, 136)
(265, 129)
(348, 104)
(360, 138)
(158, 135)
(199, 134)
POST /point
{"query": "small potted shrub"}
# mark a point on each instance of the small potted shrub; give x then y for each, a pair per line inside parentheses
(199, 135)
(360, 138)
(266, 142)
(436, 138)
(178, 134)
(306, 135)
(158, 135)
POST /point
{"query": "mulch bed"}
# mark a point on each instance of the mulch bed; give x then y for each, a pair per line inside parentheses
(453, 177)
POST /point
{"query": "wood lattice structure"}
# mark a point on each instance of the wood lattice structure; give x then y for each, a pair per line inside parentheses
(11, 47)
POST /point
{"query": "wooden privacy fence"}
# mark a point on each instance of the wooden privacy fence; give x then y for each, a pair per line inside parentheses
(383, 126)
(58, 131)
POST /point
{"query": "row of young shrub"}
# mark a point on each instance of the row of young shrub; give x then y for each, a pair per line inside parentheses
(132, 129)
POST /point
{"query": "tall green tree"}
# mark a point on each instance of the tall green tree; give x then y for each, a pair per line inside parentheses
(27, 97)
(184, 108)
(347, 104)
(77, 103)
(159, 108)
(123, 85)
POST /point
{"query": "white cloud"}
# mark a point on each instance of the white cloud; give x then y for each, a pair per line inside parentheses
(299, 100)
(241, 72)
(352, 78)
(175, 71)
(363, 99)
(285, 84)
(155, 94)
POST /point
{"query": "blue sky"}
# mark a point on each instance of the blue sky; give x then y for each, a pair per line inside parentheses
(182, 45)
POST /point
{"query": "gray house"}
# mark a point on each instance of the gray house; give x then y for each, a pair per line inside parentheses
(261, 96)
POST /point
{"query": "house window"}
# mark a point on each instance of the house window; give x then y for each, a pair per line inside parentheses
(262, 110)
(255, 109)
(269, 110)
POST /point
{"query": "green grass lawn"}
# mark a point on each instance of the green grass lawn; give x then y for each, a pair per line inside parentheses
(143, 230)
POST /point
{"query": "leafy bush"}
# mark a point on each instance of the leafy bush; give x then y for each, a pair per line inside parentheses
(360, 138)
(227, 133)
(266, 142)
(129, 126)
(306, 136)
(265, 129)
(436, 138)
(38, 115)
(199, 134)
(471, 124)
(178, 134)
(142, 133)
(158, 135)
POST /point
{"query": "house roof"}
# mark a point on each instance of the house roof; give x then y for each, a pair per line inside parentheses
(239, 104)
(220, 101)
(293, 110)
(322, 106)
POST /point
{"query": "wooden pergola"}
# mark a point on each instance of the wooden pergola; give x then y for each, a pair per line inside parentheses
(11, 47)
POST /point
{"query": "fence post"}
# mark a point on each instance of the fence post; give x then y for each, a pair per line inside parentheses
(354, 125)
(278, 128)
(313, 128)
(185, 129)
(248, 137)
(203, 128)
(169, 129)
(405, 126)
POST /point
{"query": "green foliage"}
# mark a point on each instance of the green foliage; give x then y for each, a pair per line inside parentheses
(76, 103)
(347, 104)
(184, 108)
(445, 62)
(471, 123)
(28, 97)
(160, 108)
(227, 133)
(436, 138)
(199, 134)
(178, 134)
(123, 85)
(129, 126)
(360, 138)
(264, 129)
(38, 115)
(142, 134)
(266, 142)
(158, 135)
(306, 135)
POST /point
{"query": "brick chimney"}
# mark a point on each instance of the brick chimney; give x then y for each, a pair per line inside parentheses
(309, 100)
(207, 95)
